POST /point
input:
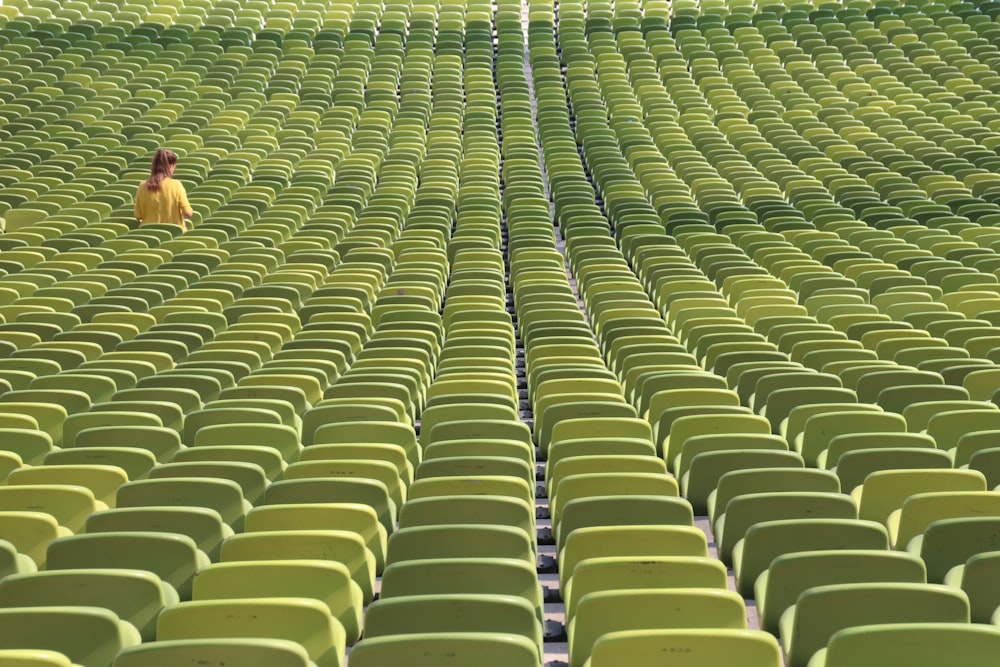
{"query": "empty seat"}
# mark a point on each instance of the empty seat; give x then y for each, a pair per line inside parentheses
(88, 636)
(822, 611)
(918, 644)
(696, 647)
(301, 620)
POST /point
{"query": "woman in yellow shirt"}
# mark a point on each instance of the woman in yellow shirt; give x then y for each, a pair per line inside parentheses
(160, 198)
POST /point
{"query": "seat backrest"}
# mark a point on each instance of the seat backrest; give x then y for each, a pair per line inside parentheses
(453, 613)
(136, 596)
(917, 644)
(821, 429)
(274, 653)
(744, 511)
(486, 576)
(822, 611)
(772, 480)
(301, 620)
(624, 510)
(222, 495)
(327, 581)
(70, 505)
(361, 491)
(202, 524)
(483, 649)
(171, 555)
(89, 636)
(884, 492)
(609, 611)
(922, 510)
(612, 573)
(791, 574)
(705, 647)
(767, 540)
(459, 541)
(340, 546)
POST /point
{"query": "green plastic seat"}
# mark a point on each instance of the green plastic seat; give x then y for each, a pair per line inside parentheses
(326, 581)
(428, 614)
(822, 611)
(428, 650)
(136, 596)
(250, 651)
(602, 612)
(173, 557)
(768, 540)
(691, 648)
(89, 637)
(304, 621)
(918, 644)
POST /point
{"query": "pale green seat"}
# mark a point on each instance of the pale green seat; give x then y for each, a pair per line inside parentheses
(31, 532)
(327, 581)
(822, 611)
(101, 480)
(247, 652)
(473, 576)
(707, 469)
(174, 558)
(30, 444)
(791, 574)
(576, 487)
(627, 573)
(389, 453)
(161, 442)
(381, 471)
(884, 492)
(912, 644)
(949, 543)
(135, 462)
(222, 495)
(460, 541)
(428, 614)
(623, 510)
(686, 648)
(767, 540)
(304, 621)
(922, 510)
(628, 541)
(136, 596)
(769, 480)
(579, 465)
(69, 505)
(600, 613)
(744, 511)
(202, 524)
(282, 438)
(88, 636)
(485, 510)
(433, 650)
(250, 477)
(355, 517)
(339, 546)
(853, 468)
(356, 491)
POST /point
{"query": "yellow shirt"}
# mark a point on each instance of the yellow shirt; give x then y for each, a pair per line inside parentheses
(166, 205)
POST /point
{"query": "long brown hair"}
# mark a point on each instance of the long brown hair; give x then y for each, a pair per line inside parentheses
(162, 161)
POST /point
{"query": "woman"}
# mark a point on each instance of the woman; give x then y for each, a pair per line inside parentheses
(160, 198)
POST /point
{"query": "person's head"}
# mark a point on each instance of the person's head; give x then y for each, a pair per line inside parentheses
(164, 163)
